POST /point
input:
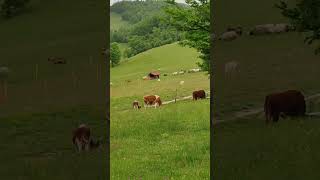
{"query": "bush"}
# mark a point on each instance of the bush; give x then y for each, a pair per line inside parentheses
(115, 54)
(10, 8)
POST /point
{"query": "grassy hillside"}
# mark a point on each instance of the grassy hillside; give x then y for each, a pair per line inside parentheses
(172, 141)
(39, 114)
(271, 63)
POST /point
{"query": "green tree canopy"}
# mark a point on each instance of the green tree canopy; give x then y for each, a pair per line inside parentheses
(305, 17)
(195, 23)
(10, 8)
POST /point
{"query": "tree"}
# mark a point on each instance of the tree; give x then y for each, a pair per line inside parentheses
(195, 23)
(305, 17)
(115, 54)
(11, 8)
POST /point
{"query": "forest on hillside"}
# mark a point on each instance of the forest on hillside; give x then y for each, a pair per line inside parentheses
(147, 27)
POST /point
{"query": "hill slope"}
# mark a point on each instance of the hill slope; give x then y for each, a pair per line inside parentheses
(169, 142)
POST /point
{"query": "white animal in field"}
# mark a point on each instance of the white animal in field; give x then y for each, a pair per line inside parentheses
(279, 28)
(193, 70)
(231, 68)
(181, 72)
(175, 73)
(262, 29)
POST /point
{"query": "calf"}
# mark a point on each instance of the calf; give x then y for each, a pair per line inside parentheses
(81, 138)
(201, 94)
(291, 103)
(135, 105)
(152, 100)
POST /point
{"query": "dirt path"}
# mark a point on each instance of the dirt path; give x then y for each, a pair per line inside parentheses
(185, 98)
(254, 111)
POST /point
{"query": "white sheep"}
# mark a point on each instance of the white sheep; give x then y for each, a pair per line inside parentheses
(262, 29)
(175, 73)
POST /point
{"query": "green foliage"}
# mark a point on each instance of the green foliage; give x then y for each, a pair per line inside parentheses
(149, 33)
(135, 11)
(195, 22)
(10, 8)
(115, 54)
(305, 17)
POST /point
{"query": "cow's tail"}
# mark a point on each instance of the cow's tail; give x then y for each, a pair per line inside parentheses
(159, 102)
(266, 109)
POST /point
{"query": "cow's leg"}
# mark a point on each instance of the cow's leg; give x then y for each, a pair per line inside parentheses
(87, 146)
(276, 116)
(79, 146)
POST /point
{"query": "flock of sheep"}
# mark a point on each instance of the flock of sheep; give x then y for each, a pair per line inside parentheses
(233, 33)
(183, 71)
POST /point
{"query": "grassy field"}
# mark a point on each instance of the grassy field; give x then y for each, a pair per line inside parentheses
(39, 113)
(172, 141)
(246, 148)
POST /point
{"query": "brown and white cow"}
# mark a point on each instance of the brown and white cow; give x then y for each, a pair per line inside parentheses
(135, 105)
(152, 100)
(81, 138)
(201, 94)
(290, 102)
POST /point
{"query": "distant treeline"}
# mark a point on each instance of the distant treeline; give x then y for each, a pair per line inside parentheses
(148, 26)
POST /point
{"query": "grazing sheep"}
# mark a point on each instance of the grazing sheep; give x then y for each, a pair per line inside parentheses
(237, 29)
(193, 70)
(231, 67)
(229, 36)
(175, 73)
(262, 29)
(181, 72)
(279, 28)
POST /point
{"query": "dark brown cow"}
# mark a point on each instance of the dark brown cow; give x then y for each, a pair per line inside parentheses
(201, 94)
(57, 60)
(152, 100)
(291, 103)
(135, 105)
(81, 137)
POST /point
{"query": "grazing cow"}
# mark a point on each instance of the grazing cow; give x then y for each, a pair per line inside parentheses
(57, 60)
(81, 138)
(291, 103)
(135, 105)
(231, 67)
(201, 94)
(152, 100)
